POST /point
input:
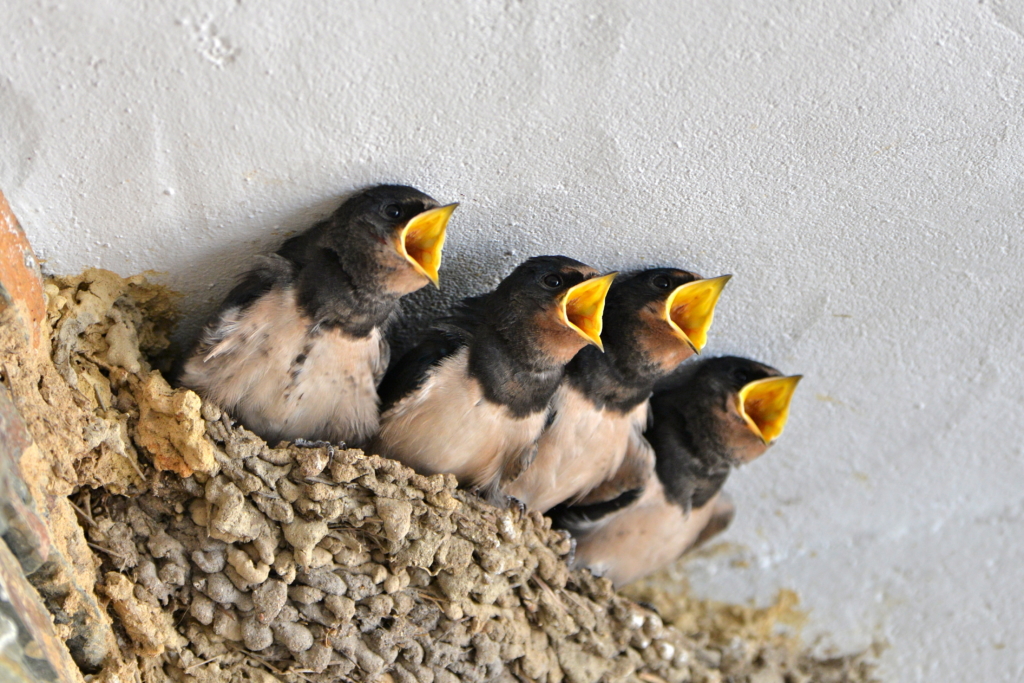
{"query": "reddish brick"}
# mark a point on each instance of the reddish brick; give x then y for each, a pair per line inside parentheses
(21, 285)
(36, 654)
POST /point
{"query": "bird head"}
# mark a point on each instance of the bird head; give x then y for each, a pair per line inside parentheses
(405, 230)
(557, 304)
(757, 404)
(663, 314)
(712, 415)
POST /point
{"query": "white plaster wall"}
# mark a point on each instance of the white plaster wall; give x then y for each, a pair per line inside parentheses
(857, 165)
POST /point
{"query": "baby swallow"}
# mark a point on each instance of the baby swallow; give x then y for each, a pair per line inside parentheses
(710, 417)
(298, 347)
(594, 448)
(473, 398)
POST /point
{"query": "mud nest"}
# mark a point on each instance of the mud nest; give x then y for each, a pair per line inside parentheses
(184, 548)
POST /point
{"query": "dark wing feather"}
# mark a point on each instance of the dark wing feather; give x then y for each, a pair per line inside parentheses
(465, 317)
(451, 333)
(579, 518)
(272, 271)
(408, 373)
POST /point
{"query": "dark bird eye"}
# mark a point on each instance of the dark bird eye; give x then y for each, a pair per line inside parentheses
(661, 281)
(743, 376)
(392, 211)
(553, 281)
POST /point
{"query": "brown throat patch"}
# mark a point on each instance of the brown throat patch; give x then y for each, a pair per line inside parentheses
(744, 444)
(658, 341)
(401, 278)
(553, 338)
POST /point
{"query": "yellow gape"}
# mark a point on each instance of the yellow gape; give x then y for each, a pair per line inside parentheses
(764, 404)
(422, 239)
(690, 309)
(582, 307)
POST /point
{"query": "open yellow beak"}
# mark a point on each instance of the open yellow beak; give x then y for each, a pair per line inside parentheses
(422, 239)
(582, 307)
(764, 404)
(690, 309)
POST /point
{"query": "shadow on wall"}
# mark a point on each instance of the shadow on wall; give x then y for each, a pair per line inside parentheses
(473, 269)
(463, 274)
(212, 272)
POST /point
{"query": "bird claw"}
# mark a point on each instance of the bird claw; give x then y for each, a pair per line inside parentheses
(570, 557)
(649, 606)
(304, 443)
(518, 503)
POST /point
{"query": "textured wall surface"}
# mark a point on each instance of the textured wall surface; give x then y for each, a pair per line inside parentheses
(859, 167)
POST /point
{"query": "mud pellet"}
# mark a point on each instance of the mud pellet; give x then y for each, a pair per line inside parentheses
(268, 600)
(380, 605)
(305, 594)
(199, 510)
(253, 573)
(342, 607)
(284, 566)
(316, 613)
(227, 626)
(202, 608)
(316, 658)
(293, 636)
(287, 613)
(275, 508)
(288, 490)
(220, 589)
(325, 580)
(209, 562)
(312, 461)
(360, 587)
(256, 634)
